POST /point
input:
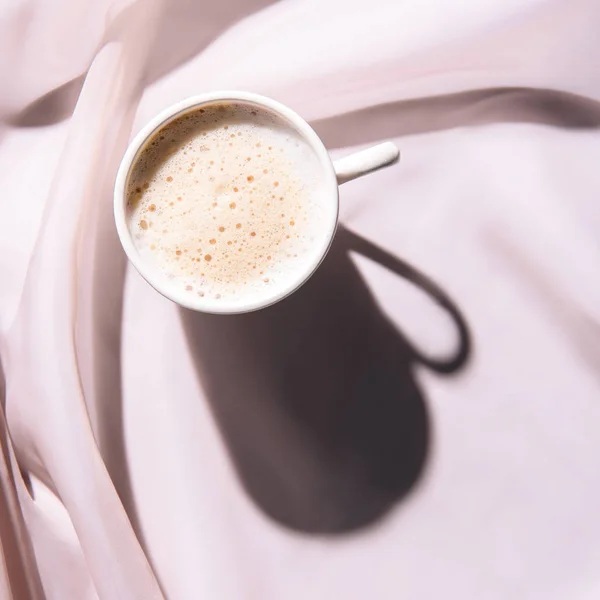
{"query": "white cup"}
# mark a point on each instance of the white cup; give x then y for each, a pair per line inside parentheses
(334, 173)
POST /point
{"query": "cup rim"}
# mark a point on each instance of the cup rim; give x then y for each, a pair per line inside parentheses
(151, 275)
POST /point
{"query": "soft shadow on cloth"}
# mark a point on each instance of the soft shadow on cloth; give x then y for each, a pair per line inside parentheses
(178, 38)
(476, 107)
(316, 396)
(408, 117)
(15, 547)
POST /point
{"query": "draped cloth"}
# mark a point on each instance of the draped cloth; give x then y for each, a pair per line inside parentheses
(419, 421)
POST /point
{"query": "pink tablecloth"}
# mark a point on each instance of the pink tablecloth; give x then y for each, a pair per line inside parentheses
(378, 435)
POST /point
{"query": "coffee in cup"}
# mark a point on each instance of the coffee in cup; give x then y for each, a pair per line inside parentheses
(228, 202)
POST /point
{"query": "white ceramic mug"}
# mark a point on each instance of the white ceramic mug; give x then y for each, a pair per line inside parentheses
(335, 173)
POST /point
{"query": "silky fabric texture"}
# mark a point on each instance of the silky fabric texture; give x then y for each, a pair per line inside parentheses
(145, 450)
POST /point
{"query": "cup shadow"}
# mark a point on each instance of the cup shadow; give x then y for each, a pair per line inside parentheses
(316, 397)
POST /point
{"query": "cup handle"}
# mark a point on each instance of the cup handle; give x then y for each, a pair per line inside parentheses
(366, 161)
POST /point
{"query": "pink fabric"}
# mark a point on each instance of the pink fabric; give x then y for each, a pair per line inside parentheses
(139, 462)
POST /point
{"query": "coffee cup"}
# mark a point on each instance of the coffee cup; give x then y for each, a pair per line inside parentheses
(254, 293)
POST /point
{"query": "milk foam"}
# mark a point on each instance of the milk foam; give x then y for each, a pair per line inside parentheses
(227, 202)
